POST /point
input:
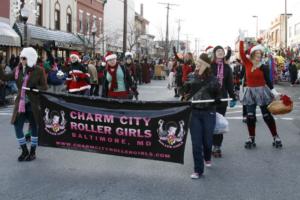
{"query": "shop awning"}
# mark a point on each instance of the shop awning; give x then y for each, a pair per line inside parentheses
(39, 35)
(8, 37)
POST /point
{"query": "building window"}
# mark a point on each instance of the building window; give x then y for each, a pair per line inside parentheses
(57, 16)
(100, 25)
(290, 32)
(69, 20)
(88, 23)
(297, 29)
(39, 13)
(80, 21)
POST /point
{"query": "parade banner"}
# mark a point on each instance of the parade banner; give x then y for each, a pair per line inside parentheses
(149, 130)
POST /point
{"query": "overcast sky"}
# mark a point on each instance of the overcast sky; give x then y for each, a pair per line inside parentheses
(214, 22)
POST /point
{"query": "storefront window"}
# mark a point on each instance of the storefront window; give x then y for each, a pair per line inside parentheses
(88, 24)
(80, 21)
(57, 16)
(39, 19)
(69, 20)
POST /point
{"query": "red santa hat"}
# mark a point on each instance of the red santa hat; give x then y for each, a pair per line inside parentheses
(110, 56)
(209, 48)
(258, 47)
(76, 55)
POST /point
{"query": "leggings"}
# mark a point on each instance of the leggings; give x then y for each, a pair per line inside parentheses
(267, 116)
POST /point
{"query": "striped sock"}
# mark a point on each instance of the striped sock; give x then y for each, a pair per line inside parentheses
(21, 141)
(34, 141)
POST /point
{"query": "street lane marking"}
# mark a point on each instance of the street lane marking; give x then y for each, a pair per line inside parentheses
(276, 118)
(6, 114)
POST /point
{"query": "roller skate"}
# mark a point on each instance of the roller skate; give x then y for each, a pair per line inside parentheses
(250, 143)
(277, 142)
(216, 152)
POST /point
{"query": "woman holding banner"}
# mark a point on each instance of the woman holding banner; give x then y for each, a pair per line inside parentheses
(202, 85)
(26, 74)
(117, 83)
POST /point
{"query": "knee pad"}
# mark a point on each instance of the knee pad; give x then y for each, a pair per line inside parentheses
(251, 118)
(267, 116)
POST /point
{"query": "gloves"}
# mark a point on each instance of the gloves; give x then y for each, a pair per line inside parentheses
(275, 93)
(232, 103)
(242, 35)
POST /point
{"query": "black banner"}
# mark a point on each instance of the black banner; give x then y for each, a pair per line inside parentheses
(149, 130)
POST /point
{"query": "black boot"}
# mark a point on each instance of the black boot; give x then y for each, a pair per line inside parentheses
(176, 92)
(31, 154)
(25, 154)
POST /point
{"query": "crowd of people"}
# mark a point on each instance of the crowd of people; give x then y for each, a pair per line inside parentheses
(211, 76)
(215, 76)
(88, 71)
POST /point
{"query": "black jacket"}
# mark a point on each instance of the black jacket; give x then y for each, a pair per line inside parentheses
(227, 87)
(198, 88)
(127, 80)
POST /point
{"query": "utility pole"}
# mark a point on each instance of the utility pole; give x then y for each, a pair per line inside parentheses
(167, 30)
(285, 22)
(196, 46)
(179, 28)
(187, 48)
(125, 28)
(255, 16)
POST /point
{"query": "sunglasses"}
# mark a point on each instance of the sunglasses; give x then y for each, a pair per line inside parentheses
(23, 58)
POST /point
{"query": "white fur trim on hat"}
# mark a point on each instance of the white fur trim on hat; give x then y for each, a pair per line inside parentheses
(111, 57)
(128, 54)
(31, 55)
(77, 57)
(258, 47)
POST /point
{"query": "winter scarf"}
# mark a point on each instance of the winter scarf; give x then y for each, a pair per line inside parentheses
(113, 72)
(220, 74)
(24, 84)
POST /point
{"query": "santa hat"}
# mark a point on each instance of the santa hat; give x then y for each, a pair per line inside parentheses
(128, 54)
(258, 47)
(110, 56)
(76, 55)
(209, 50)
(30, 54)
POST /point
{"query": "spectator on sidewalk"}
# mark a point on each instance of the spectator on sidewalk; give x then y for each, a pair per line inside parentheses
(94, 91)
(293, 72)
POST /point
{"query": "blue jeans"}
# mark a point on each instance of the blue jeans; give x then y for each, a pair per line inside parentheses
(202, 127)
(21, 119)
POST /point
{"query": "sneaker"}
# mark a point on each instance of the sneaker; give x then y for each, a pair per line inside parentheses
(195, 175)
(207, 163)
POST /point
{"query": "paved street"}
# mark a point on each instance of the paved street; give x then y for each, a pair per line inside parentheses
(262, 173)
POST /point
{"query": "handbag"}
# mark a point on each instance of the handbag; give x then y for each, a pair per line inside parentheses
(282, 106)
(222, 125)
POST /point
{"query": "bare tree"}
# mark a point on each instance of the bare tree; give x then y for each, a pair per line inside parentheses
(133, 36)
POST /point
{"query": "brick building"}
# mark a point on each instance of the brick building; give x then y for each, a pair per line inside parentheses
(90, 12)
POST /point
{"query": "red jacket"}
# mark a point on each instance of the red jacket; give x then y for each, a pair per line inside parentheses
(255, 78)
(186, 69)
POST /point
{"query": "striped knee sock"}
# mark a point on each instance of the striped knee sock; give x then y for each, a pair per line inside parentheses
(34, 141)
(21, 141)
